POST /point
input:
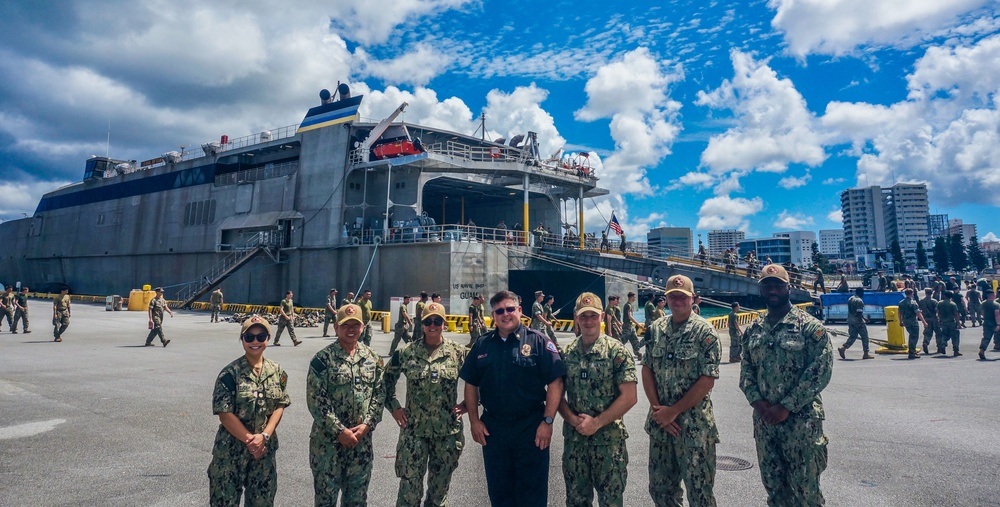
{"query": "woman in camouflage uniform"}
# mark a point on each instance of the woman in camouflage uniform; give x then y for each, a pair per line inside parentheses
(250, 397)
(430, 436)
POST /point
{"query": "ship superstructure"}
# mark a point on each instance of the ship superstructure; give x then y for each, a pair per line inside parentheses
(302, 207)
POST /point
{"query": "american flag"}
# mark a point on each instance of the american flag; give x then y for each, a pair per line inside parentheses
(615, 226)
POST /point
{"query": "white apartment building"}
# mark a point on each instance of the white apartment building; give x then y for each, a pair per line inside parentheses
(721, 240)
(875, 216)
(831, 243)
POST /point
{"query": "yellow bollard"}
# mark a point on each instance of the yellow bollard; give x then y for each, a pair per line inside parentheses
(385, 323)
(896, 343)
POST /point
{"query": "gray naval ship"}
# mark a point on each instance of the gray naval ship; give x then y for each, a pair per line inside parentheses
(335, 201)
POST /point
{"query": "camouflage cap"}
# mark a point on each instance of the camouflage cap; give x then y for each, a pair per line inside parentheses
(349, 312)
(774, 271)
(587, 302)
(680, 283)
(255, 320)
(433, 309)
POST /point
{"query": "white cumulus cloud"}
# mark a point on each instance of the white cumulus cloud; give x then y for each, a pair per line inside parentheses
(794, 221)
(989, 238)
(634, 93)
(945, 133)
(774, 128)
(790, 182)
(836, 216)
(724, 212)
(837, 27)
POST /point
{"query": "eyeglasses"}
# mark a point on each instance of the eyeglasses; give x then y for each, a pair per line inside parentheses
(260, 337)
(501, 311)
(436, 321)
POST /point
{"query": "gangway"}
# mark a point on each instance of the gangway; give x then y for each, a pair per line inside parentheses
(709, 280)
(220, 271)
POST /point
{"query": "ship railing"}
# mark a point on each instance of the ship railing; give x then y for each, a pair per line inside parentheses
(239, 142)
(262, 137)
(485, 153)
(258, 173)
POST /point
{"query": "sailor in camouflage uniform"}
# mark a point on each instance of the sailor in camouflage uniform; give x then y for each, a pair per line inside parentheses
(216, 301)
(21, 311)
(329, 312)
(286, 320)
(949, 318)
(418, 311)
(250, 397)
(613, 318)
(787, 362)
(909, 315)
(857, 324)
(735, 334)
(629, 324)
(401, 332)
(345, 393)
(477, 325)
(156, 308)
(538, 321)
(550, 318)
(682, 363)
(600, 389)
(430, 436)
(365, 302)
(7, 307)
(928, 307)
(61, 313)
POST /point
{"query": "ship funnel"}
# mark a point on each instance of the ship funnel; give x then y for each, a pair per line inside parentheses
(324, 96)
(344, 91)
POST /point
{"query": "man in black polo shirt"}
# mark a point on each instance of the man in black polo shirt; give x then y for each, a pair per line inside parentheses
(518, 375)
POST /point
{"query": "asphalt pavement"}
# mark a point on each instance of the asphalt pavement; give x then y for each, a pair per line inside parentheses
(101, 420)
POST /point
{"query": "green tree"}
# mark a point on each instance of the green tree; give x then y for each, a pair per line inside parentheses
(921, 255)
(898, 262)
(941, 254)
(976, 257)
(956, 253)
(820, 260)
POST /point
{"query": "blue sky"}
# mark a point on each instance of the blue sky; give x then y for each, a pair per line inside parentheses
(704, 114)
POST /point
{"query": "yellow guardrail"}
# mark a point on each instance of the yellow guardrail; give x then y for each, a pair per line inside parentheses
(455, 323)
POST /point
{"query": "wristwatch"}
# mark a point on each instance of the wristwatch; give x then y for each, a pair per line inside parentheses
(548, 420)
(266, 437)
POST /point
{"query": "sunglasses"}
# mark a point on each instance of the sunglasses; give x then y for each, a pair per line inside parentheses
(435, 321)
(509, 309)
(260, 337)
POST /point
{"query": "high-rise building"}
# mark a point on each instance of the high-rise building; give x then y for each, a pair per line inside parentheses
(906, 212)
(782, 247)
(874, 217)
(966, 231)
(831, 243)
(670, 241)
(721, 240)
